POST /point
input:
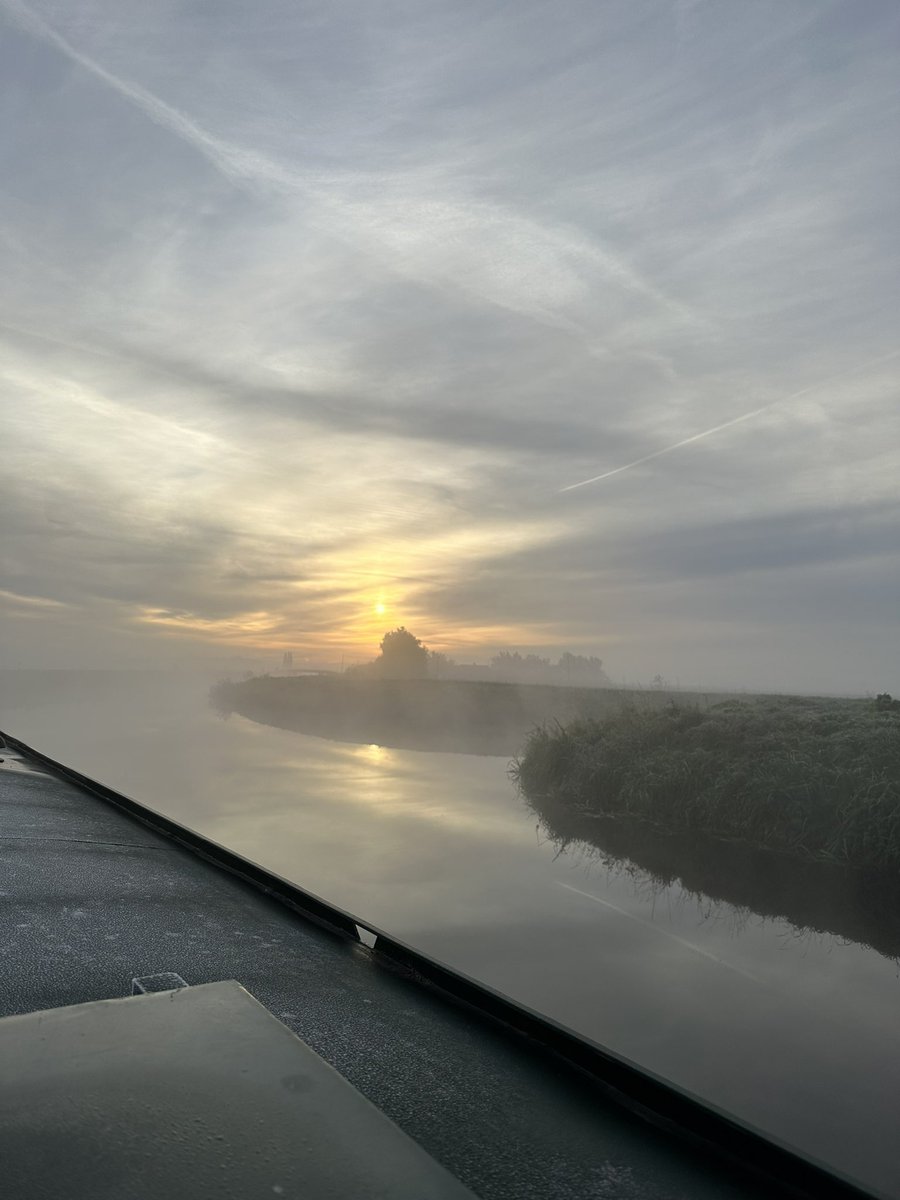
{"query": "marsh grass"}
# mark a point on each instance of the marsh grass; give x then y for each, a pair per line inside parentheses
(816, 779)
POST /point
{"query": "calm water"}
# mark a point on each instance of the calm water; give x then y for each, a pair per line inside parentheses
(798, 1034)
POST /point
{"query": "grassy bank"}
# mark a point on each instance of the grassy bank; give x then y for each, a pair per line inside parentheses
(422, 714)
(816, 779)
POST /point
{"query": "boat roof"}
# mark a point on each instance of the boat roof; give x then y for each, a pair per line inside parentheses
(99, 891)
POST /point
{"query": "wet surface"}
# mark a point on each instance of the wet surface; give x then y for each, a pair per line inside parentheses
(92, 900)
(199, 1093)
(10, 760)
(794, 1030)
(848, 904)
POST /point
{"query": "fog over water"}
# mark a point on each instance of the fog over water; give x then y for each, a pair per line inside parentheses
(796, 1033)
(559, 335)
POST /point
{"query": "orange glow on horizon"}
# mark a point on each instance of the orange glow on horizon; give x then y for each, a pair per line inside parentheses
(352, 636)
(340, 603)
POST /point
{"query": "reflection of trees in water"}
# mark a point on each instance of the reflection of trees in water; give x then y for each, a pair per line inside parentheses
(815, 898)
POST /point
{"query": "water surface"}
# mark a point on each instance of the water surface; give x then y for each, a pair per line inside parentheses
(797, 1033)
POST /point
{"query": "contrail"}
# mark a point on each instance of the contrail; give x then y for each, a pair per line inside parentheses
(747, 416)
(235, 164)
(244, 167)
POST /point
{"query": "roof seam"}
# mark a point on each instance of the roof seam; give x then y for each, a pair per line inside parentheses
(88, 842)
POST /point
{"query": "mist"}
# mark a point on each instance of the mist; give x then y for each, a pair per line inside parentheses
(450, 458)
(593, 926)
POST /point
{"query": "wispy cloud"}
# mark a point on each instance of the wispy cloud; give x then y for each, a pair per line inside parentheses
(18, 600)
(302, 309)
(235, 164)
(418, 222)
(747, 416)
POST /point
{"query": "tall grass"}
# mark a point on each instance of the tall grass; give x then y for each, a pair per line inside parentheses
(818, 779)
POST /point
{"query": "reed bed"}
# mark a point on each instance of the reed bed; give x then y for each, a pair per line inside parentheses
(817, 779)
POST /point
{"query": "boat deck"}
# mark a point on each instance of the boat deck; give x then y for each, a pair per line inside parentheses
(93, 897)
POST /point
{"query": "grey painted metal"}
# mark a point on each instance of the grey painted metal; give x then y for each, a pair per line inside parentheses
(100, 890)
(192, 1094)
(313, 907)
(165, 981)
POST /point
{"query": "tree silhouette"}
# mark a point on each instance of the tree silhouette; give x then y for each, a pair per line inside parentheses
(402, 656)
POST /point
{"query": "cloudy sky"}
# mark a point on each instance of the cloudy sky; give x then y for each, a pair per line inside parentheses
(313, 314)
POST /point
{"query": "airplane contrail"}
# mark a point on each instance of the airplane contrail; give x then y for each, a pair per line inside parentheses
(747, 416)
(244, 167)
(237, 165)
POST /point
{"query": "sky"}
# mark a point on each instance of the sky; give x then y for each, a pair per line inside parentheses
(549, 327)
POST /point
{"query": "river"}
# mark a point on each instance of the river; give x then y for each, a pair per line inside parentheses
(796, 1033)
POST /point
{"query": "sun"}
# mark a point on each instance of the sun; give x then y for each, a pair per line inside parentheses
(380, 608)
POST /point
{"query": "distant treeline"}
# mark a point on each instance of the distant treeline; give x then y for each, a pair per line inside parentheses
(812, 778)
(570, 670)
(404, 656)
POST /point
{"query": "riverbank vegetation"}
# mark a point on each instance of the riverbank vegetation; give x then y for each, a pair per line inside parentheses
(816, 779)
